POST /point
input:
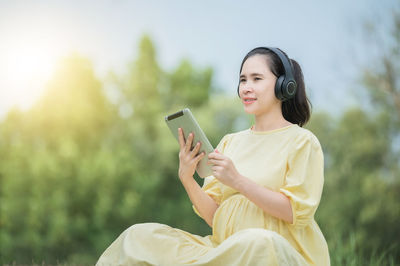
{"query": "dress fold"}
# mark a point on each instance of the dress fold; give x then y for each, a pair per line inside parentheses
(287, 160)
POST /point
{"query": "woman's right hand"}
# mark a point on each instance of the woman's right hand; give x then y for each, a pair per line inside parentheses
(187, 159)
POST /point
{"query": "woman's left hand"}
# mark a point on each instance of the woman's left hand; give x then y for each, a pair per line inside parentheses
(223, 169)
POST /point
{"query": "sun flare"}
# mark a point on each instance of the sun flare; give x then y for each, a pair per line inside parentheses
(28, 61)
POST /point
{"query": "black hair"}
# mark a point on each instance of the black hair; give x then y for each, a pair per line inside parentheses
(296, 110)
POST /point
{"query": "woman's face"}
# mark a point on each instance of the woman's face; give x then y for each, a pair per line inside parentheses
(257, 82)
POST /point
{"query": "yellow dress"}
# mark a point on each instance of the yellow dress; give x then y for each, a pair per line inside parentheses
(288, 160)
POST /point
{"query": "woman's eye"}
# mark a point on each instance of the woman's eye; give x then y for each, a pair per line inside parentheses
(242, 80)
(257, 78)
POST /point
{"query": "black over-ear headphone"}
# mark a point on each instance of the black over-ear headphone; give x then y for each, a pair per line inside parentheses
(285, 86)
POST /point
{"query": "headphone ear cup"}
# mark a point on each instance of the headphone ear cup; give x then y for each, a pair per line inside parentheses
(289, 89)
(278, 88)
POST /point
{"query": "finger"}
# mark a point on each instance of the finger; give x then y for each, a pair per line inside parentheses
(212, 161)
(189, 142)
(216, 156)
(200, 156)
(196, 148)
(215, 168)
(181, 137)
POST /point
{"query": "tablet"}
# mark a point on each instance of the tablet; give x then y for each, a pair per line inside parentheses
(184, 119)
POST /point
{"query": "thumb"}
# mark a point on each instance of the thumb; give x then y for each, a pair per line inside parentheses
(217, 151)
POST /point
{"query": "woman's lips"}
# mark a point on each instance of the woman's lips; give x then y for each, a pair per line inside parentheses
(249, 101)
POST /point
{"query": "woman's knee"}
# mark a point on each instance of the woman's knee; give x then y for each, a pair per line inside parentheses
(144, 228)
(259, 235)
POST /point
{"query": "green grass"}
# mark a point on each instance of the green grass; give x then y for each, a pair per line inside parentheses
(341, 258)
(343, 252)
(347, 253)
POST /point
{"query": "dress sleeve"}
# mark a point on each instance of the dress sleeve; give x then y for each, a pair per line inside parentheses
(211, 185)
(305, 178)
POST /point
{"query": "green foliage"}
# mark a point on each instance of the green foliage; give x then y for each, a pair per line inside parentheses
(76, 170)
(359, 203)
(189, 85)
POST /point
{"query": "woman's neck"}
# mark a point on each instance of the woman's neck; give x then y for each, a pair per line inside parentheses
(270, 121)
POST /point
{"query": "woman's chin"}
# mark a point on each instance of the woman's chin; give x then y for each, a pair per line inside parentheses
(249, 109)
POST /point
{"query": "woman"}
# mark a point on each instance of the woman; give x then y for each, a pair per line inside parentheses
(266, 185)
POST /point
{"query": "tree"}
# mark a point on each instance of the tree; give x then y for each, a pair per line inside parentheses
(360, 206)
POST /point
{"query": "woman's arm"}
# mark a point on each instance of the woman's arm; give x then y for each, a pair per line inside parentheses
(272, 202)
(201, 200)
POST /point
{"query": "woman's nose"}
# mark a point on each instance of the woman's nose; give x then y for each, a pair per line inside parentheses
(246, 88)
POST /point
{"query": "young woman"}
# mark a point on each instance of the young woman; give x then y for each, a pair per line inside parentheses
(266, 185)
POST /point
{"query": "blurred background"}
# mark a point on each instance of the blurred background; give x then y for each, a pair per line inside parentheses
(85, 86)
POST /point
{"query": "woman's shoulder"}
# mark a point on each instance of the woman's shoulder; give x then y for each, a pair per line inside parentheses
(229, 136)
(303, 136)
(299, 135)
(294, 130)
(227, 139)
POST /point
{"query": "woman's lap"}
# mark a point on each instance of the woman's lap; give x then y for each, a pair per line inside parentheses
(160, 244)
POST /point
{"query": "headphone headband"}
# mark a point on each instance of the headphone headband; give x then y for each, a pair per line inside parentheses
(287, 64)
(285, 86)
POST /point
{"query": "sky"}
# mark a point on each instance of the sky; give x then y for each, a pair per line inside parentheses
(323, 36)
